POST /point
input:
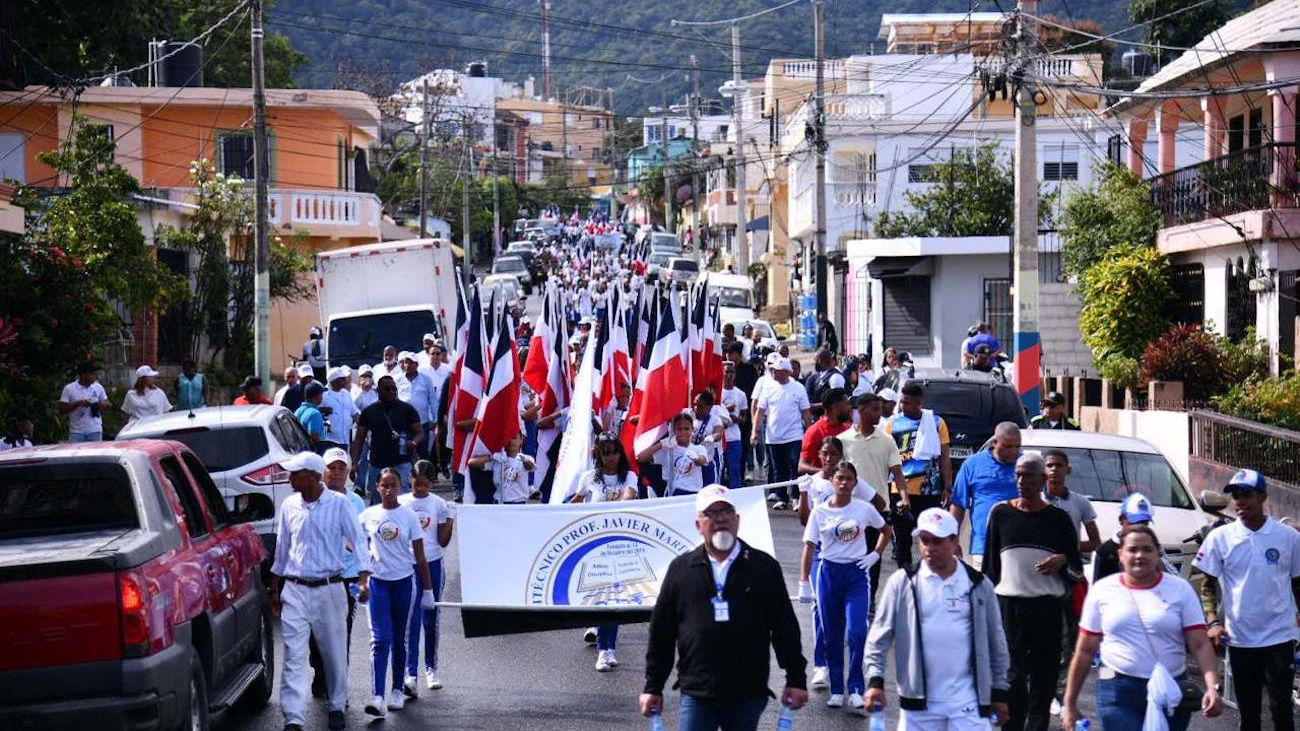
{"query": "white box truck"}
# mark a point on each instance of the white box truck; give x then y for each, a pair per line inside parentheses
(390, 293)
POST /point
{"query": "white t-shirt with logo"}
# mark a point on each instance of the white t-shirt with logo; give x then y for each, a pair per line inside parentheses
(737, 398)
(510, 477)
(783, 407)
(821, 489)
(1132, 622)
(79, 419)
(841, 531)
(706, 427)
(597, 487)
(1254, 569)
(946, 625)
(431, 511)
(391, 533)
(680, 471)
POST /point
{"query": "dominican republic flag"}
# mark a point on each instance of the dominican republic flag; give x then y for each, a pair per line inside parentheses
(498, 409)
(555, 392)
(473, 379)
(539, 346)
(614, 368)
(649, 324)
(666, 389)
(453, 381)
(712, 355)
(695, 338)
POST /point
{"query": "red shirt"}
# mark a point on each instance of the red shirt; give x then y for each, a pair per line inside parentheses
(243, 401)
(812, 439)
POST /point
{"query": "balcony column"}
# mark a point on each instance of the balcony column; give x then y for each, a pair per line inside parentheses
(1136, 130)
(1283, 177)
(1167, 124)
(1215, 126)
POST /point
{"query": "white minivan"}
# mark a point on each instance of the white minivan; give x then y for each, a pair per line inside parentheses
(735, 294)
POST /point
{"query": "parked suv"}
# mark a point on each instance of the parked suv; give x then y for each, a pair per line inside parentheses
(241, 447)
(129, 595)
(972, 404)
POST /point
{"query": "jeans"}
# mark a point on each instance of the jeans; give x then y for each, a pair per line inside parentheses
(784, 459)
(85, 436)
(843, 594)
(403, 471)
(1033, 627)
(606, 636)
(426, 619)
(1122, 704)
(1255, 669)
(706, 714)
(732, 458)
(391, 606)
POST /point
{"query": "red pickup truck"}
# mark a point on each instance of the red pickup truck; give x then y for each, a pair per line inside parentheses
(130, 597)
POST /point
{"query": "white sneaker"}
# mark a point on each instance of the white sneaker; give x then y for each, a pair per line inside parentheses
(589, 636)
(778, 505)
(431, 680)
(613, 661)
(396, 701)
(1056, 707)
(820, 679)
(856, 704)
(602, 662)
(835, 701)
(376, 707)
(409, 686)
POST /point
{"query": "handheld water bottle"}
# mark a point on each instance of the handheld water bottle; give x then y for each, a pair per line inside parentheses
(876, 719)
(785, 719)
(1082, 724)
(656, 721)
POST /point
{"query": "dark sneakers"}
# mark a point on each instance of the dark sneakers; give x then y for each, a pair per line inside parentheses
(338, 721)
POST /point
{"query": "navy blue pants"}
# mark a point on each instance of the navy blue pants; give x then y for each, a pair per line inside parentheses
(391, 605)
(843, 597)
(426, 619)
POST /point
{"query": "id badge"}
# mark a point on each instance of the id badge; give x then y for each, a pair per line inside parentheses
(721, 610)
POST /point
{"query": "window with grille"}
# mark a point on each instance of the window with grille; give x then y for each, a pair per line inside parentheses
(998, 308)
(1060, 162)
(236, 158)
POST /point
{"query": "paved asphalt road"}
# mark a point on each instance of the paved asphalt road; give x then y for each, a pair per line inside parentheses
(547, 680)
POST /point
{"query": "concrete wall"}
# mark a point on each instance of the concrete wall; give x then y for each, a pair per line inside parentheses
(1058, 324)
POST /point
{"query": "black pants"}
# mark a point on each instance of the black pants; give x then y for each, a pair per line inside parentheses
(1033, 627)
(1255, 669)
(903, 524)
(318, 686)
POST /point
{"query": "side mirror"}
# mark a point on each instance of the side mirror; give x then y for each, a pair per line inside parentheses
(1213, 500)
(252, 507)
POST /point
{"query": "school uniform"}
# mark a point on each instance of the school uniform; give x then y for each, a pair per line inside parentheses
(392, 589)
(431, 511)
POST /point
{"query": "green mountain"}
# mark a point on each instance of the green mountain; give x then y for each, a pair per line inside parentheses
(373, 44)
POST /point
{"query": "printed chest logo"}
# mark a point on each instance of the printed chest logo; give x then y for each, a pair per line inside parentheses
(683, 465)
(1272, 556)
(388, 531)
(847, 531)
(426, 520)
(511, 473)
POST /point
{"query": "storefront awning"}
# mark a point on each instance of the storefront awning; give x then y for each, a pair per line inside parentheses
(900, 266)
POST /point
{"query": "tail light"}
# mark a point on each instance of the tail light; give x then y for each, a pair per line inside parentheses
(272, 474)
(133, 602)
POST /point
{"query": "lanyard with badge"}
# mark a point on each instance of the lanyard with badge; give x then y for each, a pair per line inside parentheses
(721, 609)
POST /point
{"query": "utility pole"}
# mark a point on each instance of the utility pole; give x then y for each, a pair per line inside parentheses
(564, 139)
(738, 155)
(668, 193)
(819, 145)
(546, 49)
(424, 162)
(611, 152)
(464, 201)
(1028, 350)
(695, 146)
(496, 198)
(261, 207)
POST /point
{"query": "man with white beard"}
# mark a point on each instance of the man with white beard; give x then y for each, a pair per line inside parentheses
(720, 607)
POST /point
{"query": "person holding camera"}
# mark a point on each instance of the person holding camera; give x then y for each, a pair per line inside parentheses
(83, 401)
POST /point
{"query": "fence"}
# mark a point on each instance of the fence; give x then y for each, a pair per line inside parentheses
(1235, 442)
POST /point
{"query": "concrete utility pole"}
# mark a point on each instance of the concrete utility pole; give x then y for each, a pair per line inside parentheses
(1028, 350)
(424, 162)
(668, 193)
(564, 139)
(738, 155)
(496, 199)
(464, 200)
(819, 145)
(546, 49)
(611, 152)
(695, 146)
(261, 207)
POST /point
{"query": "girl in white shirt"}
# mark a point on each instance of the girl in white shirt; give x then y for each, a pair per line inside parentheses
(145, 398)
(710, 427)
(509, 470)
(436, 517)
(843, 587)
(681, 461)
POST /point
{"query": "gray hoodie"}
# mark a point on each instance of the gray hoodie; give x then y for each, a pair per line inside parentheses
(897, 623)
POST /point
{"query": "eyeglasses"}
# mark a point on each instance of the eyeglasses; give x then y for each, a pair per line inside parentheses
(606, 437)
(714, 514)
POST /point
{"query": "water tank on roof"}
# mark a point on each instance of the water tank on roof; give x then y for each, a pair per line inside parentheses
(180, 63)
(1138, 63)
(477, 69)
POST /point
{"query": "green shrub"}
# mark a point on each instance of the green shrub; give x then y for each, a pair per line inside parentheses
(1247, 360)
(1187, 354)
(1124, 297)
(1120, 370)
(1274, 401)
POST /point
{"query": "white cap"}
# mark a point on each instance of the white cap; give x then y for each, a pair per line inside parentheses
(304, 461)
(305, 370)
(771, 360)
(365, 369)
(782, 364)
(315, 331)
(336, 454)
(145, 370)
(887, 394)
(428, 338)
(937, 522)
(347, 370)
(405, 355)
(335, 374)
(711, 495)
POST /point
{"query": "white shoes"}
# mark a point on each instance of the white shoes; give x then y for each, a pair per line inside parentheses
(376, 707)
(409, 686)
(778, 505)
(856, 704)
(820, 679)
(1056, 707)
(835, 701)
(396, 701)
(602, 662)
(431, 680)
(589, 636)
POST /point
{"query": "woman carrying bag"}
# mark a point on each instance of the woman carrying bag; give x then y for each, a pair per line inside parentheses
(1143, 620)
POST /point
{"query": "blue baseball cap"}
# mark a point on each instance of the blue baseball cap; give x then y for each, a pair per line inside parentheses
(1247, 480)
(1136, 508)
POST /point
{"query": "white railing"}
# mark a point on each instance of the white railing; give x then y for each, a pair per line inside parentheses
(808, 69)
(315, 210)
(1055, 67)
(855, 196)
(856, 107)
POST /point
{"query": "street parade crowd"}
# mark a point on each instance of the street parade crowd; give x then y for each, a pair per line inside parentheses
(636, 376)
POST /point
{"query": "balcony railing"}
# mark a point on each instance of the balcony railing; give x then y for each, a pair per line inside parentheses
(315, 210)
(1232, 183)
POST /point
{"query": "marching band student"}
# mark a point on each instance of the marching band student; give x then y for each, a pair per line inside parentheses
(509, 470)
(843, 586)
(395, 535)
(681, 461)
(436, 517)
(612, 479)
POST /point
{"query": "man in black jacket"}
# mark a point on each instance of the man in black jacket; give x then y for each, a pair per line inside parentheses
(719, 608)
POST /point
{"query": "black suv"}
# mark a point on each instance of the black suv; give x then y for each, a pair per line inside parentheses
(972, 404)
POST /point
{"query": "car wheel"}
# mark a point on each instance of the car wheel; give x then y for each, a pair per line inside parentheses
(195, 717)
(259, 693)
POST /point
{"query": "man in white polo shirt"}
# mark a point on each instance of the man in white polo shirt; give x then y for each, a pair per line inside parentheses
(782, 407)
(1257, 563)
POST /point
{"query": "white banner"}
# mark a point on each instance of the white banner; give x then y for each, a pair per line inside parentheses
(586, 555)
(575, 449)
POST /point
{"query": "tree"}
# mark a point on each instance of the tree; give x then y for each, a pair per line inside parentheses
(971, 194)
(1183, 29)
(1117, 210)
(1124, 296)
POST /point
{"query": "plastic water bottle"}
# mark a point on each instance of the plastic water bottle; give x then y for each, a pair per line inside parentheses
(876, 719)
(785, 719)
(656, 721)
(1082, 724)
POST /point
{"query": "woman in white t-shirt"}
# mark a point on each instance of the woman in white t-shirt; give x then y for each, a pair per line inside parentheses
(839, 525)
(1135, 618)
(611, 480)
(436, 517)
(145, 398)
(395, 537)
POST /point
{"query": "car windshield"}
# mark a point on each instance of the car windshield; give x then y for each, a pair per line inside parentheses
(509, 264)
(732, 297)
(664, 241)
(358, 340)
(55, 498)
(221, 450)
(1110, 476)
(659, 257)
(685, 265)
(972, 408)
(501, 289)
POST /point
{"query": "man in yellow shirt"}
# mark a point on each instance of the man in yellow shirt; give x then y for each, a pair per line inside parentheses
(922, 439)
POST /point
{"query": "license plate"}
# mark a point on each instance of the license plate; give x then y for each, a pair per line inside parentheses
(959, 452)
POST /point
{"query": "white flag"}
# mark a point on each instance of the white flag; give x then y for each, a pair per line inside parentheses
(575, 449)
